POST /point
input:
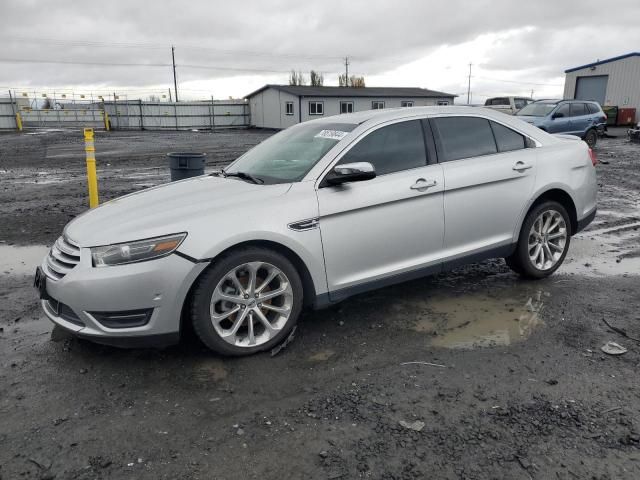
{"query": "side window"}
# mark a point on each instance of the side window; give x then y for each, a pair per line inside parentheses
(391, 149)
(592, 108)
(519, 103)
(442, 102)
(563, 109)
(289, 108)
(406, 103)
(578, 109)
(507, 139)
(462, 137)
(377, 105)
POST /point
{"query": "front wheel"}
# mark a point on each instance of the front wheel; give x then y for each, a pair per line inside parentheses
(247, 301)
(591, 138)
(543, 242)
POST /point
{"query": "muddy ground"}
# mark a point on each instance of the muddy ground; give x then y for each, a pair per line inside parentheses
(474, 374)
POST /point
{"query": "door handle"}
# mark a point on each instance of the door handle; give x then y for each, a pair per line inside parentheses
(422, 184)
(521, 166)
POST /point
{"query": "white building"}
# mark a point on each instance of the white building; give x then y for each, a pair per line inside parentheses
(614, 81)
(280, 106)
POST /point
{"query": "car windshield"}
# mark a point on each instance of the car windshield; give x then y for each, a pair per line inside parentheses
(289, 155)
(537, 109)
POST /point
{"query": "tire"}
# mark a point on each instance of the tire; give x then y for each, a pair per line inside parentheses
(591, 138)
(533, 240)
(218, 302)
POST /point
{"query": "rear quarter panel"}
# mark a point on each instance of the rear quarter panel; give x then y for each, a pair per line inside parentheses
(565, 165)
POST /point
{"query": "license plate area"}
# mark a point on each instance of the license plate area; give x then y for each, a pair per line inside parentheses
(40, 283)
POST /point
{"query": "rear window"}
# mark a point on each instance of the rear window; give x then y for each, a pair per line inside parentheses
(463, 137)
(593, 108)
(497, 101)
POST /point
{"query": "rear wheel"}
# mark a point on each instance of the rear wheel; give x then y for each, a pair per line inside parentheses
(248, 301)
(543, 242)
(591, 138)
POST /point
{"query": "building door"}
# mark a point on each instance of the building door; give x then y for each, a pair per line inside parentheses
(592, 88)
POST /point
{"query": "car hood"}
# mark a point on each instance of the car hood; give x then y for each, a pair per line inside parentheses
(530, 119)
(166, 209)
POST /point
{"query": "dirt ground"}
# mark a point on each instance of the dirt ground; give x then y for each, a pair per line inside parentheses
(473, 374)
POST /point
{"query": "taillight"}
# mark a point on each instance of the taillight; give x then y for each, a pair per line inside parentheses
(594, 159)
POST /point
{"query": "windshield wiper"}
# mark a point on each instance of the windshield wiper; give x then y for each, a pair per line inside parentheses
(243, 176)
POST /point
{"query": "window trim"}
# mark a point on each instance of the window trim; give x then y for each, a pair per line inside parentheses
(528, 141)
(377, 101)
(286, 108)
(319, 182)
(346, 102)
(316, 102)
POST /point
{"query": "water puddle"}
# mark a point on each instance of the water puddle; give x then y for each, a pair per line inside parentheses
(603, 254)
(321, 356)
(210, 371)
(18, 260)
(480, 320)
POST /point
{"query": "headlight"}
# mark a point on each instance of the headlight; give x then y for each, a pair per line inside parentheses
(139, 251)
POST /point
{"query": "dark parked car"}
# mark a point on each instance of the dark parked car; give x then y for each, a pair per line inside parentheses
(575, 117)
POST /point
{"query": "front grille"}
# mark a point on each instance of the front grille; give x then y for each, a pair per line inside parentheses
(63, 257)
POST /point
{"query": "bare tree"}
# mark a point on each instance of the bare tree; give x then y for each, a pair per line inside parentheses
(316, 79)
(297, 78)
(153, 98)
(352, 81)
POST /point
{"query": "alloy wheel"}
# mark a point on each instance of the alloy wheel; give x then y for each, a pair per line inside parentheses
(251, 304)
(547, 239)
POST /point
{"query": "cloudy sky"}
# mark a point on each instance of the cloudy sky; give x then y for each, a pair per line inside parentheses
(229, 48)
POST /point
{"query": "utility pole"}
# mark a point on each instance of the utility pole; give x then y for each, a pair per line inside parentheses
(346, 71)
(531, 93)
(170, 100)
(469, 86)
(175, 81)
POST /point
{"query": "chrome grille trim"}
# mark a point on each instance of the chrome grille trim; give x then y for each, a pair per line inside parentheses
(62, 258)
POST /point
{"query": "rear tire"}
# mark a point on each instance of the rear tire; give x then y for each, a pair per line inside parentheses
(591, 138)
(543, 242)
(248, 301)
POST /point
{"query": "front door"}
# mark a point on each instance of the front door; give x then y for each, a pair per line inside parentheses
(383, 230)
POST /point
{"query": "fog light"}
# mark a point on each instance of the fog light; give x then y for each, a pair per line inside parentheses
(123, 319)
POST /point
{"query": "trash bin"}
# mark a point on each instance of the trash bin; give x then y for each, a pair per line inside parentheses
(186, 165)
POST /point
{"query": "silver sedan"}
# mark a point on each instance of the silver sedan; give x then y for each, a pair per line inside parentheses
(319, 212)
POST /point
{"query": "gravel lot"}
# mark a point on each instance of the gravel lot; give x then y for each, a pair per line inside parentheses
(510, 381)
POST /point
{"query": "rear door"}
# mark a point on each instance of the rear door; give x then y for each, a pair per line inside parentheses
(489, 174)
(580, 118)
(380, 229)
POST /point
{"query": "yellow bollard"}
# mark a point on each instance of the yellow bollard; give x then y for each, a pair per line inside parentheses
(107, 126)
(19, 121)
(92, 177)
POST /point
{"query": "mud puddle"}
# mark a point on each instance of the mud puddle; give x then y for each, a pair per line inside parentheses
(482, 320)
(21, 260)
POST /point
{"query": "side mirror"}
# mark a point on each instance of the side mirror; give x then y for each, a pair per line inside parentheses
(350, 172)
(557, 115)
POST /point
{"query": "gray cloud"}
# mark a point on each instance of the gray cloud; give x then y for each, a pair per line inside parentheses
(279, 35)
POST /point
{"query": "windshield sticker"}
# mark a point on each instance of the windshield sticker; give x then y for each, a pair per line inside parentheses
(332, 134)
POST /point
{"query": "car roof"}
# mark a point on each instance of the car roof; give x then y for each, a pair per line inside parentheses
(388, 114)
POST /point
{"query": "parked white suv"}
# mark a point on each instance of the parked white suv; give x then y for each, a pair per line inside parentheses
(509, 105)
(316, 213)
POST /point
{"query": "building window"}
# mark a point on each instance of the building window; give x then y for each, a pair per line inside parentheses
(289, 108)
(377, 105)
(346, 107)
(406, 103)
(443, 102)
(316, 108)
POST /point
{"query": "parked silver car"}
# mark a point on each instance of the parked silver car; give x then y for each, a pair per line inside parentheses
(317, 213)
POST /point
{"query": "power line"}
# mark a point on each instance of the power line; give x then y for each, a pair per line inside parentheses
(520, 83)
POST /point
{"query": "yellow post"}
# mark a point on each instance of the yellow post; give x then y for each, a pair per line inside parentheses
(19, 121)
(106, 120)
(92, 177)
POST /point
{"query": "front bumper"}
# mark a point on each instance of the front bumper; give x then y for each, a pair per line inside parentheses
(161, 285)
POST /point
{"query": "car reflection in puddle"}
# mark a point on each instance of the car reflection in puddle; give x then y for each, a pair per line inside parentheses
(477, 320)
